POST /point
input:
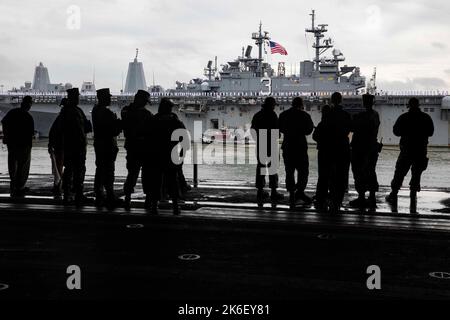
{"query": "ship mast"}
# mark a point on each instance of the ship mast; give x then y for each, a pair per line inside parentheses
(319, 34)
(259, 38)
(372, 85)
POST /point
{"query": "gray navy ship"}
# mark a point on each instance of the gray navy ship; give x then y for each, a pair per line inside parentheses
(226, 99)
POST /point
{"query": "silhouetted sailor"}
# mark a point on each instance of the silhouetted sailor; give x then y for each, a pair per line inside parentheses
(183, 185)
(263, 122)
(162, 165)
(75, 127)
(414, 127)
(106, 129)
(365, 149)
(56, 151)
(18, 132)
(136, 123)
(324, 163)
(336, 131)
(296, 124)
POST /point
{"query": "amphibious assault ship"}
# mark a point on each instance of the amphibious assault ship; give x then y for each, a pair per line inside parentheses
(229, 97)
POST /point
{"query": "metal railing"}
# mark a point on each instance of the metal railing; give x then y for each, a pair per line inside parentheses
(235, 94)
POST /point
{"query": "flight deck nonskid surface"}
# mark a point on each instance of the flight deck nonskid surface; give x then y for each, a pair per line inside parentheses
(244, 253)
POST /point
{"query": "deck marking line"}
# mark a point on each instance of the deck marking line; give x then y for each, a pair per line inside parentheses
(135, 226)
(440, 275)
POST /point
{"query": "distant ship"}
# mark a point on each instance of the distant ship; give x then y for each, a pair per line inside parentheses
(229, 97)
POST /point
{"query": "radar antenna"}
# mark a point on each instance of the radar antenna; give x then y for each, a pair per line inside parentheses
(260, 37)
(318, 32)
(209, 71)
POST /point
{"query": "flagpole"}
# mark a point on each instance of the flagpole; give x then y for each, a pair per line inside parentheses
(268, 57)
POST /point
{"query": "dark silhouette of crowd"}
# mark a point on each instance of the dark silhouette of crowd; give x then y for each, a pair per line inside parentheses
(336, 153)
(150, 145)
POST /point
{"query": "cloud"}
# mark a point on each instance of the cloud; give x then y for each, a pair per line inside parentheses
(430, 82)
(439, 45)
(7, 66)
(176, 38)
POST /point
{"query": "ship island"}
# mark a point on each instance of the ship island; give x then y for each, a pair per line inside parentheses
(228, 97)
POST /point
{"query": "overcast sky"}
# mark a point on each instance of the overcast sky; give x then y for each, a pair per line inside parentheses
(406, 40)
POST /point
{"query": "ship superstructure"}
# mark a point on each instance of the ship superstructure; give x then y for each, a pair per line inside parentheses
(229, 97)
(249, 74)
(135, 76)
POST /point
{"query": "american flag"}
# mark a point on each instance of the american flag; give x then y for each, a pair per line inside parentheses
(277, 48)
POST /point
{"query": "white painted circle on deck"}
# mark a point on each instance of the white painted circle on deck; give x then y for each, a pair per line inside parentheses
(326, 236)
(135, 226)
(189, 256)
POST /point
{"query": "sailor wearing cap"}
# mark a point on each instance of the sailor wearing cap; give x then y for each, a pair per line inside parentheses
(75, 127)
(266, 119)
(136, 123)
(365, 149)
(106, 129)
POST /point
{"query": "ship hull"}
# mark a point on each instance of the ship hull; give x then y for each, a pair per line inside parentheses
(205, 113)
